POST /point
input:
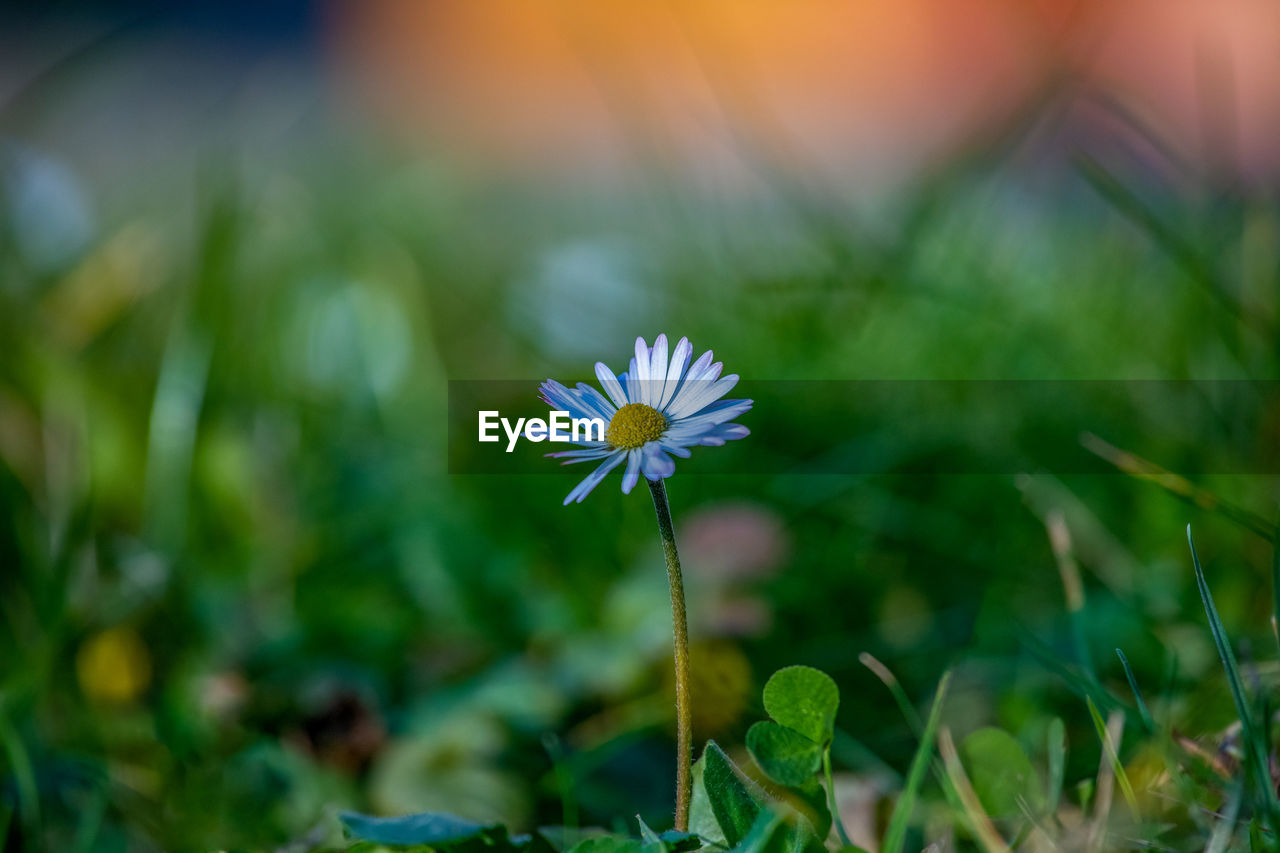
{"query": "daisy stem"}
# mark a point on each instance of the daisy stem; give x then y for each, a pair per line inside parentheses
(680, 626)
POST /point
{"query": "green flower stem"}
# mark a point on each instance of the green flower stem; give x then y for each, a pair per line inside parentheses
(831, 798)
(680, 626)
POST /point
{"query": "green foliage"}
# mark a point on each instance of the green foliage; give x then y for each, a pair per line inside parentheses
(224, 466)
(671, 840)
(437, 831)
(444, 832)
(1257, 748)
(1057, 756)
(896, 835)
(733, 801)
(805, 700)
(796, 743)
(1002, 774)
(1143, 712)
(785, 755)
(791, 747)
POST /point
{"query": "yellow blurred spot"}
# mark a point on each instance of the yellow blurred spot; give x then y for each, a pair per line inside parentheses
(720, 683)
(113, 666)
(905, 617)
(105, 284)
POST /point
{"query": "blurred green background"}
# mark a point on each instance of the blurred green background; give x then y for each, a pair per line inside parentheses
(239, 588)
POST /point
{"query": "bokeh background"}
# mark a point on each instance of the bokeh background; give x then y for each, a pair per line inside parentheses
(244, 248)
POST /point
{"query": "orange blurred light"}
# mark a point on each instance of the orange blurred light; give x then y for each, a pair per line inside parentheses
(871, 90)
(705, 85)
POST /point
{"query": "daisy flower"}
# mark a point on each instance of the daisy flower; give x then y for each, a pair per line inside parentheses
(659, 408)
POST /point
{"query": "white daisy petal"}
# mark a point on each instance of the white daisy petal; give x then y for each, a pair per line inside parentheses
(594, 450)
(675, 449)
(702, 374)
(556, 395)
(729, 432)
(701, 396)
(658, 371)
(635, 388)
(596, 401)
(662, 378)
(709, 417)
(632, 475)
(610, 384)
(656, 464)
(675, 372)
(593, 479)
(700, 366)
(641, 369)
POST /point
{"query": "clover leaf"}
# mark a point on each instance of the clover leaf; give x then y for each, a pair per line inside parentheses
(803, 699)
(785, 755)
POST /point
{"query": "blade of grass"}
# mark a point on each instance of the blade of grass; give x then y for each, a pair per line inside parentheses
(90, 824)
(1079, 683)
(1275, 585)
(1220, 838)
(563, 777)
(1143, 712)
(24, 776)
(890, 681)
(1257, 756)
(1123, 199)
(896, 835)
(1105, 791)
(886, 676)
(978, 817)
(1112, 754)
(1142, 469)
(833, 803)
(1072, 586)
(1191, 259)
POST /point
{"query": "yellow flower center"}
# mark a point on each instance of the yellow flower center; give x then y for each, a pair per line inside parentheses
(634, 424)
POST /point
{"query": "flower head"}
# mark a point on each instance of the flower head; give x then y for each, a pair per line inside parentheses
(659, 408)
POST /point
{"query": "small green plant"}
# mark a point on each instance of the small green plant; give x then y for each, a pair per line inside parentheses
(793, 746)
(728, 810)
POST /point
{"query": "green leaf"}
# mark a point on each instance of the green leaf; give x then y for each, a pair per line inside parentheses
(896, 835)
(785, 755)
(670, 841)
(1252, 736)
(811, 803)
(800, 839)
(732, 802)
(768, 833)
(804, 699)
(647, 835)
(1001, 772)
(437, 830)
(702, 820)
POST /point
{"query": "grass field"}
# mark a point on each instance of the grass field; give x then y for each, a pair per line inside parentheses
(242, 589)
